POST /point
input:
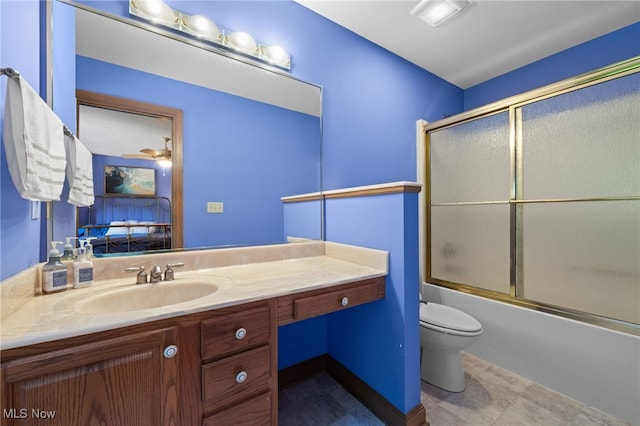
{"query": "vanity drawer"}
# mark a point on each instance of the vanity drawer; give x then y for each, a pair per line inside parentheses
(236, 377)
(255, 412)
(233, 332)
(310, 304)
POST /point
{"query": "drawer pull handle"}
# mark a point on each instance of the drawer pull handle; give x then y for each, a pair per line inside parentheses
(241, 377)
(345, 301)
(241, 333)
(170, 351)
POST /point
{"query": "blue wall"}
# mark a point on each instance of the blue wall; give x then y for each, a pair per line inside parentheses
(300, 341)
(18, 21)
(21, 35)
(239, 154)
(380, 342)
(600, 52)
(301, 219)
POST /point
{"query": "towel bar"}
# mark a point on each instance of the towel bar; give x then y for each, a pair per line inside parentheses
(9, 72)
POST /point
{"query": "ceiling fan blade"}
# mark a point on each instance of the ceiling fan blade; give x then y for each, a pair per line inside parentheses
(151, 152)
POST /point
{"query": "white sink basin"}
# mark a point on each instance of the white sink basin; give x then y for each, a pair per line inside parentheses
(145, 296)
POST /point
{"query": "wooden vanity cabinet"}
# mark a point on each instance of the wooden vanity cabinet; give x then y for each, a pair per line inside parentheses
(124, 377)
(224, 371)
(239, 366)
(124, 380)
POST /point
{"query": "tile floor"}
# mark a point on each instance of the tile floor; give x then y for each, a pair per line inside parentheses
(320, 401)
(494, 396)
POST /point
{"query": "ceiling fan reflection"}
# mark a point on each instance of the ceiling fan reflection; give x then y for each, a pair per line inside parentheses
(162, 156)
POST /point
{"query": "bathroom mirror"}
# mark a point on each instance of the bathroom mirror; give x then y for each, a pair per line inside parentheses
(250, 136)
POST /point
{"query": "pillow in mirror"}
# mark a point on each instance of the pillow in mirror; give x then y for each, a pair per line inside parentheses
(153, 229)
(144, 230)
(116, 230)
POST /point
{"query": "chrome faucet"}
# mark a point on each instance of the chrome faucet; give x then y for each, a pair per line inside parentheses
(168, 273)
(155, 274)
(141, 276)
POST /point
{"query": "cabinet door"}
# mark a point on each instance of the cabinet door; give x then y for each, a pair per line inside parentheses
(121, 381)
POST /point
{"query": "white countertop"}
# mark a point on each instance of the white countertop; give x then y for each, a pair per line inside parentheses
(56, 316)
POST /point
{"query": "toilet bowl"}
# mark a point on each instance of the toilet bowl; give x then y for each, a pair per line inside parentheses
(444, 333)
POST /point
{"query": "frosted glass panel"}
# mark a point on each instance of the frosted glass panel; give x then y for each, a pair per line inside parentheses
(470, 245)
(584, 256)
(585, 143)
(470, 161)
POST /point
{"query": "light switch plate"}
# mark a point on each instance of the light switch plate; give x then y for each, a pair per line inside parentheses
(215, 207)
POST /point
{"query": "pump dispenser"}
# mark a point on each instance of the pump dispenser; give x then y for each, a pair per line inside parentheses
(68, 255)
(84, 243)
(82, 270)
(54, 272)
(89, 246)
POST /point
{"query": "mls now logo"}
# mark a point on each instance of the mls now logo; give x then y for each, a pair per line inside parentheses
(23, 413)
(15, 413)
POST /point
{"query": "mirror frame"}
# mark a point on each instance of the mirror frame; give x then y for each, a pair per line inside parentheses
(87, 98)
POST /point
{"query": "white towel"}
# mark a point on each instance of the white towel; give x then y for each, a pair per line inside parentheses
(79, 172)
(34, 142)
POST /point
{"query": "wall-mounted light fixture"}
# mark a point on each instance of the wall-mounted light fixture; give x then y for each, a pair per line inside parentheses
(204, 29)
(436, 12)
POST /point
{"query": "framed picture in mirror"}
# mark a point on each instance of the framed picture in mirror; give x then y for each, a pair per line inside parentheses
(126, 180)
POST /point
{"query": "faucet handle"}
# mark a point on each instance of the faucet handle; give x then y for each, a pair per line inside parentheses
(168, 273)
(155, 274)
(141, 277)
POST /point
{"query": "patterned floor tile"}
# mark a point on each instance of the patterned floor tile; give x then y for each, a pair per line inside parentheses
(493, 397)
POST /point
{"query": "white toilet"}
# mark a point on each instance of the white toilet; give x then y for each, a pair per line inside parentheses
(444, 333)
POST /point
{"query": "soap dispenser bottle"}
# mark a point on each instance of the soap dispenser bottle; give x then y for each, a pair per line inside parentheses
(89, 246)
(68, 255)
(82, 270)
(54, 272)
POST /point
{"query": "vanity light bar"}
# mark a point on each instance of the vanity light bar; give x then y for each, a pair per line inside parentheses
(205, 30)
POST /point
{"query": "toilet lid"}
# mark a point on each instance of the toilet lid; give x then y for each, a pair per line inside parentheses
(448, 317)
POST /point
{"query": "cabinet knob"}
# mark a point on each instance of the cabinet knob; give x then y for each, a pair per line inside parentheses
(241, 377)
(345, 301)
(170, 351)
(241, 333)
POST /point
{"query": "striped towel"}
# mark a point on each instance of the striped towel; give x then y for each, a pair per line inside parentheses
(79, 172)
(34, 143)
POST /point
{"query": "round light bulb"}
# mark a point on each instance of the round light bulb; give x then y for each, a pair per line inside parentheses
(157, 10)
(243, 42)
(276, 55)
(203, 27)
(165, 163)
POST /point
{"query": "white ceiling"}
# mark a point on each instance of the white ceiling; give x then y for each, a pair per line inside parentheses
(110, 132)
(488, 39)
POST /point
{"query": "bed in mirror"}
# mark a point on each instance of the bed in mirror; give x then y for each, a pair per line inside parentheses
(134, 145)
(249, 136)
